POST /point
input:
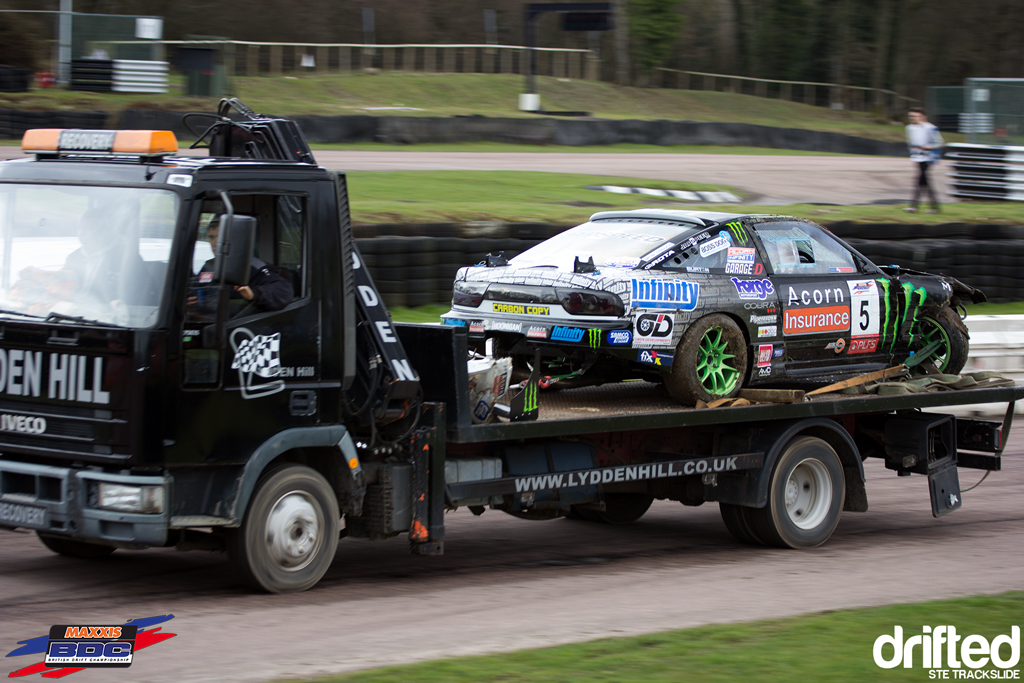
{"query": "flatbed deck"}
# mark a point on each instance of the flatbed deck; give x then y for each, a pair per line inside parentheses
(642, 405)
(438, 353)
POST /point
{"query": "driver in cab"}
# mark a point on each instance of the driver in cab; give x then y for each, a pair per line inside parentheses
(266, 290)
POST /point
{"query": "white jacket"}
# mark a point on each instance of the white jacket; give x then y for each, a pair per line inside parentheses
(920, 135)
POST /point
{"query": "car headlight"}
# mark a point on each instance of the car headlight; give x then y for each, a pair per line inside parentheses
(128, 498)
(589, 302)
(468, 293)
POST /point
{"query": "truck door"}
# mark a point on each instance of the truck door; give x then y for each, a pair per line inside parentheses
(264, 374)
(830, 302)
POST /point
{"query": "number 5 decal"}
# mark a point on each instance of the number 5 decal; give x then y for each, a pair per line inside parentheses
(864, 331)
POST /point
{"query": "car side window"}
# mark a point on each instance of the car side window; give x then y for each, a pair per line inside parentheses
(716, 255)
(797, 248)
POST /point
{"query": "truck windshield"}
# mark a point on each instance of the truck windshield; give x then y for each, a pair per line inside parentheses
(95, 253)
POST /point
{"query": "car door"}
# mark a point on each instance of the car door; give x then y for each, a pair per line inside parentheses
(831, 301)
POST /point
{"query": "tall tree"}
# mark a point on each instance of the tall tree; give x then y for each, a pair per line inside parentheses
(654, 28)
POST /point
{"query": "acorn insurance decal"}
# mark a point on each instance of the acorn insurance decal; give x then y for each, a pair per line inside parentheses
(815, 308)
(69, 648)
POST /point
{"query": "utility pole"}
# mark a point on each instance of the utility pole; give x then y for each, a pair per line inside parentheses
(64, 43)
(621, 43)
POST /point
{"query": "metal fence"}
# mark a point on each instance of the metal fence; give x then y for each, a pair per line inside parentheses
(996, 106)
(834, 95)
(243, 58)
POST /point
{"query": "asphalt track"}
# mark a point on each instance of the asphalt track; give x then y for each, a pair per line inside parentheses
(507, 584)
(769, 180)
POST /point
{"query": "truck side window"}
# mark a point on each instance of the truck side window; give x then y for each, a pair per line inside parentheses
(290, 219)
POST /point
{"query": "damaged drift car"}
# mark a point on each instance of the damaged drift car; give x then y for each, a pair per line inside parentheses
(707, 303)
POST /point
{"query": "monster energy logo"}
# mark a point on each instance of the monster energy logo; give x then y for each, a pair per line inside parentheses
(910, 291)
(738, 232)
(884, 284)
(594, 337)
(530, 397)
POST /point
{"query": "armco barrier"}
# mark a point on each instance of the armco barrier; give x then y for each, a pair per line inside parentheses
(997, 345)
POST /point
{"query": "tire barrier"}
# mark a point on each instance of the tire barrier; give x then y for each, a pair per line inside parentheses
(414, 264)
(407, 130)
(986, 172)
(14, 122)
(13, 79)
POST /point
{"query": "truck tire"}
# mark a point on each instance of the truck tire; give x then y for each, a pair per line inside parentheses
(69, 547)
(805, 496)
(947, 328)
(289, 535)
(624, 508)
(710, 361)
(737, 521)
(620, 508)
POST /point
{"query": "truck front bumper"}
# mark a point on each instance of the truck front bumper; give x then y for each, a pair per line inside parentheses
(62, 501)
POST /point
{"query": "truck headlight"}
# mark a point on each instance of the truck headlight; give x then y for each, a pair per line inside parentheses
(127, 498)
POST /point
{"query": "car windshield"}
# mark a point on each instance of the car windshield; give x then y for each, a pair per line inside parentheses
(610, 244)
(95, 253)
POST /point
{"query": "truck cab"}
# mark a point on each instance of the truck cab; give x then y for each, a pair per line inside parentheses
(173, 328)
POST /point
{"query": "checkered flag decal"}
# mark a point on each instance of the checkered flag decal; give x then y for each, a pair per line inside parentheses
(260, 355)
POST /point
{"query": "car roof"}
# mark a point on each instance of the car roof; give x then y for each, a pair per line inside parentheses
(692, 217)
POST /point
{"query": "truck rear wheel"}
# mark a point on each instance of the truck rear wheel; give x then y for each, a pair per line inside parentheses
(289, 534)
(69, 547)
(737, 521)
(805, 496)
(620, 508)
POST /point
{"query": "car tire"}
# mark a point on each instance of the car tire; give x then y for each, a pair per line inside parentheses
(946, 327)
(69, 547)
(710, 361)
(805, 496)
(289, 534)
(737, 521)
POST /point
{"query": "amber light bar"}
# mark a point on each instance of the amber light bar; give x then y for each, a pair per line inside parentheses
(58, 140)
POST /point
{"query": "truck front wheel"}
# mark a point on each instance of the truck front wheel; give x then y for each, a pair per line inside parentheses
(289, 534)
(805, 496)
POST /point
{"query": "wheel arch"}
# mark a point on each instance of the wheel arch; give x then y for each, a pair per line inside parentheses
(327, 450)
(750, 489)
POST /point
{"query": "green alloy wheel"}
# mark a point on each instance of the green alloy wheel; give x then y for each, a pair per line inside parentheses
(715, 373)
(947, 328)
(710, 361)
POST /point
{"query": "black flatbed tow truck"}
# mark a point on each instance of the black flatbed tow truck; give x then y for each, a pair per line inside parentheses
(159, 414)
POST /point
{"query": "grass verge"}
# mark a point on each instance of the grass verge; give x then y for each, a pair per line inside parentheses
(457, 196)
(417, 196)
(830, 646)
(496, 95)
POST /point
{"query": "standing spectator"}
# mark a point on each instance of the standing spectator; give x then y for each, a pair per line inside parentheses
(924, 142)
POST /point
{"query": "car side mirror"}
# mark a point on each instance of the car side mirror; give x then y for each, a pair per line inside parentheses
(235, 257)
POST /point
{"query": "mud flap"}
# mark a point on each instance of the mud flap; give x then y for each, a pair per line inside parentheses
(944, 487)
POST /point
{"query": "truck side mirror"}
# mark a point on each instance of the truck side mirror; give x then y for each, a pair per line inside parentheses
(236, 257)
